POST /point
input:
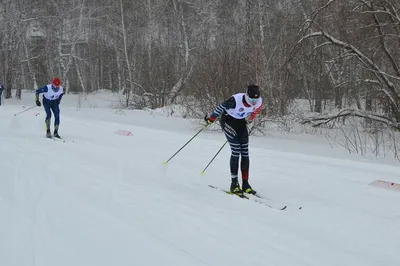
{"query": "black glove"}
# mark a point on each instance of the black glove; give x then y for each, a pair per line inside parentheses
(38, 103)
(57, 101)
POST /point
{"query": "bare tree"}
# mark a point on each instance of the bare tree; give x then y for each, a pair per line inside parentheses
(384, 67)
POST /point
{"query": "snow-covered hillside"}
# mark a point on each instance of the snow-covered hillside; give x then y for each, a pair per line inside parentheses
(102, 198)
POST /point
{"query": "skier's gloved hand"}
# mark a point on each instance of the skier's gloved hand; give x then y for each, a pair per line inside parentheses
(250, 125)
(37, 100)
(209, 120)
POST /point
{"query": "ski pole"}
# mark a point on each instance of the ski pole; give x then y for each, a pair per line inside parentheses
(185, 144)
(220, 149)
(25, 110)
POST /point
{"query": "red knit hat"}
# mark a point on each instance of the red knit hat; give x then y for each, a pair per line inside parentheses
(56, 82)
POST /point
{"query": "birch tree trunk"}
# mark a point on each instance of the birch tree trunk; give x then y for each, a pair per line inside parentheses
(184, 66)
(129, 91)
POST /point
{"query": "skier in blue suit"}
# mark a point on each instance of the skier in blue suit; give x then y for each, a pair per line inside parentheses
(1, 91)
(52, 94)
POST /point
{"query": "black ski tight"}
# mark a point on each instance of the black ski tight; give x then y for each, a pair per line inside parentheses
(238, 138)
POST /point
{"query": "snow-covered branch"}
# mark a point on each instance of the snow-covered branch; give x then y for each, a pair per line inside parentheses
(391, 91)
(325, 119)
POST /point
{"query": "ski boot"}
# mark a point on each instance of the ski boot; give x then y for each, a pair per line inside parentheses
(247, 188)
(235, 187)
(48, 134)
(56, 134)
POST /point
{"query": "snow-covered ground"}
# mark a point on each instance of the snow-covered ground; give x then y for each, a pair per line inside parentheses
(101, 198)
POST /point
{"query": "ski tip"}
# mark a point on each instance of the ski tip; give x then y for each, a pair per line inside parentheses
(202, 173)
(164, 162)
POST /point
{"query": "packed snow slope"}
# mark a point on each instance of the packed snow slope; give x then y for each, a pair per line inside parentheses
(101, 198)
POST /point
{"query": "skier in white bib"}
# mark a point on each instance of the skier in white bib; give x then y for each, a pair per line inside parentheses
(52, 94)
(236, 112)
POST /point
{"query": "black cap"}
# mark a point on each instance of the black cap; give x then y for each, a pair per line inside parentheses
(253, 91)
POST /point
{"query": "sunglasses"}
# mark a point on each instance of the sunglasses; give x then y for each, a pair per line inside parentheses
(254, 100)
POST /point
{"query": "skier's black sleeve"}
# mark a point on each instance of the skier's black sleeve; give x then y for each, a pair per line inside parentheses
(228, 104)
